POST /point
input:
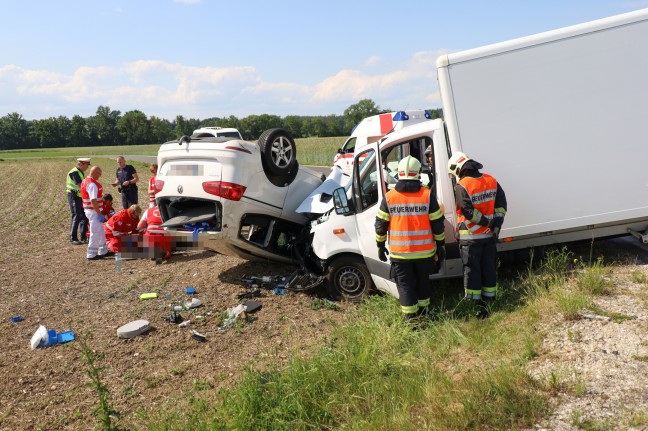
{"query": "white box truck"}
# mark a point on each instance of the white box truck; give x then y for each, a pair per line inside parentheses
(558, 118)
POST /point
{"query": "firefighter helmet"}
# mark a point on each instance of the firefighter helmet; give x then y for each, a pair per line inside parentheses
(456, 162)
(409, 169)
(428, 150)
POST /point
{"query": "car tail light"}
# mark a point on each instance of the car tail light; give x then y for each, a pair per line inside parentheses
(230, 191)
(159, 185)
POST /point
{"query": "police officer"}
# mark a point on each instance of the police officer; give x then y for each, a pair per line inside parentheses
(481, 207)
(411, 216)
(72, 186)
(127, 182)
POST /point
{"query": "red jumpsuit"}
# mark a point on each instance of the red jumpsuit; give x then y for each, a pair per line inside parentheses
(119, 225)
(155, 236)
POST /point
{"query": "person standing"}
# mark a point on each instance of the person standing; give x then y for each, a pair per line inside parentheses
(151, 185)
(411, 217)
(481, 207)
(79, 222)
(92, 195)
(126, 182)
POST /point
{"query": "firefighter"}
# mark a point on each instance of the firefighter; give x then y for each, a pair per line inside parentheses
(481, 207)
(92, 197)
(73, 189)
(122, 224)
(411, 217)
(428, 168)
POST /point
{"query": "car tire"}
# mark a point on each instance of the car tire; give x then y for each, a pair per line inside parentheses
(285, 179)
(349, 279)
(278, 152)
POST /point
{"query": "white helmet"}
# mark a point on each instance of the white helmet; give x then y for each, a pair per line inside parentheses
(409, 169)
(428, 150)
(456, 162)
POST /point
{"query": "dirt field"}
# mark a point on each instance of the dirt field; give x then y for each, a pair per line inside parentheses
(48, 281)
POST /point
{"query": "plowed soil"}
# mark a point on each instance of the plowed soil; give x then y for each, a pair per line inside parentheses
(48, 281)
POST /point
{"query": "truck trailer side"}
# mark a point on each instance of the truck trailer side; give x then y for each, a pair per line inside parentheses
(559, 119)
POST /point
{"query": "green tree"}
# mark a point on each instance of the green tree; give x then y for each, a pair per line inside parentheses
(134, 128)
(161, 130)
(357, 112)
(14, 132)
(103, 126)
(79, 133)
(52, 132)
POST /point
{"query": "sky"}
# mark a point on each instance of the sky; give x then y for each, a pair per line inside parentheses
(215, 58)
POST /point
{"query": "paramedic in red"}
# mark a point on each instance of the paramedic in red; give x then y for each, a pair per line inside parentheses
(481, 207)
(92, 197)
(123, 223)
(151, 185)
(411, 216)
(155, 237)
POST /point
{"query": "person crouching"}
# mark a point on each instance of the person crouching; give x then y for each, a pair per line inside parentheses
(120, 226)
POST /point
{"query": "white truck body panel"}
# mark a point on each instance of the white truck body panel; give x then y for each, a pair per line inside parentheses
(559, 119)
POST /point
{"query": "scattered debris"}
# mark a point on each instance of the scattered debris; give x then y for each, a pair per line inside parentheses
(256, 293)
(184, 324)
(251, 306)
(45, 338)
(298, 280)
(194, 303)
(190, 290)
(198, 336)
(133, 329)
(174, 318)
(17, 319)
(151, 295)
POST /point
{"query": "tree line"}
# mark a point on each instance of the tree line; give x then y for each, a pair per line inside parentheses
(110, 127)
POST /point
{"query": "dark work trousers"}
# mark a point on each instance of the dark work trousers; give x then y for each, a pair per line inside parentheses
(129, 196)
(479, 258)
(79, 220)
(413, 280)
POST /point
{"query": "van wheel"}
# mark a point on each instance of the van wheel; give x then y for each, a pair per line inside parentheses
(278, 151)
(348, 279)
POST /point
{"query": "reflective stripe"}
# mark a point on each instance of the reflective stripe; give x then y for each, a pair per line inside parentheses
(412, 255)
(383, 215)
(473, 294)
(439, 237)
(393, 233)
(422, 303)
(436, 215)
(489, 292)
(409, 309)
(482, 192)
(466, 234)
(381, 238)
(424, 241)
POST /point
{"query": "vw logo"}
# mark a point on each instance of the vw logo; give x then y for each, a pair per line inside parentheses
(180, 189)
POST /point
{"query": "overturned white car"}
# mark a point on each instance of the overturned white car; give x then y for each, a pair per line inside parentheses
(233, 196)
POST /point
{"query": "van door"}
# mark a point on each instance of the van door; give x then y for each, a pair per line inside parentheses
(367, 193)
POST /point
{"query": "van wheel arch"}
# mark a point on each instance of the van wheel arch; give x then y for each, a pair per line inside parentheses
(348, 278)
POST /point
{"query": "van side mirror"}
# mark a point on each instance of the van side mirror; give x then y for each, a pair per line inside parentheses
(340, 201)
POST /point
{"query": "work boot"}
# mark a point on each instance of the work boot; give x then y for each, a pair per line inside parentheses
(483, 308)
(424, 313)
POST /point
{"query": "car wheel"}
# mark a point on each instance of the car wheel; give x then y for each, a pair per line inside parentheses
(278, 151)
(349, 279)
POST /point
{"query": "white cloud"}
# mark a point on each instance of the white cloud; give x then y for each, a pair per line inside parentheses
(169, 89)
(373, 60)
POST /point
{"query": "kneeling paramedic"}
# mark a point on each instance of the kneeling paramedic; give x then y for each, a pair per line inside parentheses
(481, 207)
(411, 216)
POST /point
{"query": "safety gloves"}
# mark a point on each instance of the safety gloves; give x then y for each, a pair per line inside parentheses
(382, 252)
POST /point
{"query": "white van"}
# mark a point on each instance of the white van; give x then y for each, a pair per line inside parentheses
(371, 129)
